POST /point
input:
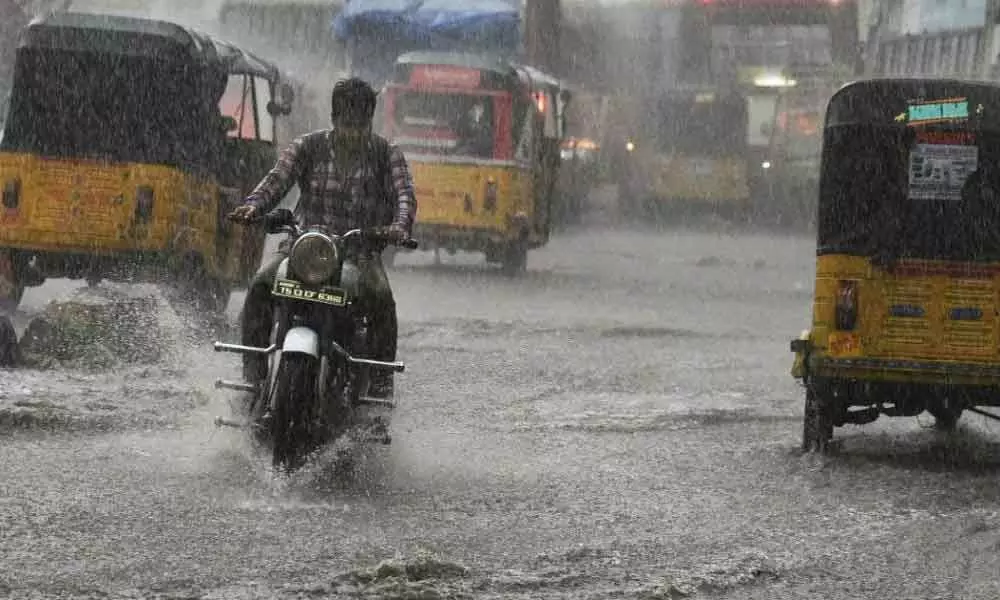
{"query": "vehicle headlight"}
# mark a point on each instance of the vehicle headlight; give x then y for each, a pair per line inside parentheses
(313, 258)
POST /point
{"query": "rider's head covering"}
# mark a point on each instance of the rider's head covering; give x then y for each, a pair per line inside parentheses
(353, 102)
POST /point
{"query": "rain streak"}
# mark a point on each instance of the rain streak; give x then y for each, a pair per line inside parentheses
(497, 299)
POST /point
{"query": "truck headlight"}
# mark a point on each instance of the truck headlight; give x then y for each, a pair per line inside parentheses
(313, 258)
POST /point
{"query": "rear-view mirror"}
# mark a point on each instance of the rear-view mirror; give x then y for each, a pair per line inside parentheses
(277, 110)
(286, 94)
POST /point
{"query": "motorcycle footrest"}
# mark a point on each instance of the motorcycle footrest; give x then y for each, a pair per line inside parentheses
(221, 422)
(235, 385)
(369, 401)
(241, 349)
(397, 367)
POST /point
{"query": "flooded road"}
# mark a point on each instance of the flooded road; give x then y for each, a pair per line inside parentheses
(620, 422)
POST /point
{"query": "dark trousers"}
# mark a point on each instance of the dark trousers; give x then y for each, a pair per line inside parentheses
(257, 317)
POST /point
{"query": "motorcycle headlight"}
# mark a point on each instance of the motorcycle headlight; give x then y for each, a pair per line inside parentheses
(313, 258)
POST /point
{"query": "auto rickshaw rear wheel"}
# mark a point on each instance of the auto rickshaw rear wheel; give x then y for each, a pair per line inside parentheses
(11, 286)
(195, 288)
(9, 350)
(945, 415)
(211, 297)
(514, 258)
(817, 422)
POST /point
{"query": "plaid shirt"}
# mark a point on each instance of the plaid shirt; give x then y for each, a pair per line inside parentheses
(331, 197)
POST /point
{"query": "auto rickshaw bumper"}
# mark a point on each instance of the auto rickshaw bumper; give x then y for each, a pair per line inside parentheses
(811, 361)
(800, 347)
(472, 239)
(36, 265)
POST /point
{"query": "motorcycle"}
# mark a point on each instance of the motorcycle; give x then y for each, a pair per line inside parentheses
(319, 365)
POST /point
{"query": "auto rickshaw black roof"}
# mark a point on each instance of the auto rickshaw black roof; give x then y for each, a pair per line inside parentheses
(150, 38)
(877, 101)
(123, 89)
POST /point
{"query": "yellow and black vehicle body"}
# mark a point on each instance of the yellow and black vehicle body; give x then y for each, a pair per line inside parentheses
(686, 152)
(482, 137)
(127, 141)
(906, 310)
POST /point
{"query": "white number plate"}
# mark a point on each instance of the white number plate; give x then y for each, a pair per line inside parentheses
(287, 288)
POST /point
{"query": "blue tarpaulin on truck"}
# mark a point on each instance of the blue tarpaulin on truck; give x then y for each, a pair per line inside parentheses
(492, 25)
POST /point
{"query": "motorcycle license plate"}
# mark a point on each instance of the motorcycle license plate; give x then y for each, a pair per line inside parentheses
(287, 288)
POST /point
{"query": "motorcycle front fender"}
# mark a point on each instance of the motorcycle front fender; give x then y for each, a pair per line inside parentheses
(302, 340)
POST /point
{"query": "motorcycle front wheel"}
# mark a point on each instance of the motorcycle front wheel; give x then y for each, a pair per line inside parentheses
(294, 401)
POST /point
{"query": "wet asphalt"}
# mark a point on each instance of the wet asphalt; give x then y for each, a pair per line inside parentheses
(619, 421)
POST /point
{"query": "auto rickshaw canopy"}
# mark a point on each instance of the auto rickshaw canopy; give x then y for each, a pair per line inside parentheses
(910, 170)
(113, 34)
(123, 89)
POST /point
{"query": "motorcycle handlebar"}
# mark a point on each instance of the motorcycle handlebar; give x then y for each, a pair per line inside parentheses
(381, 234)
(279, 221)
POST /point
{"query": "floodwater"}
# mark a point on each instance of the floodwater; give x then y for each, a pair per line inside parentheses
(618, 422)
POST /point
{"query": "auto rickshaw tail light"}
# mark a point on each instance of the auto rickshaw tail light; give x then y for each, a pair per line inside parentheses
(540, 101)
(490, 195)
(846, 312)
(143, 203)
(11, 194)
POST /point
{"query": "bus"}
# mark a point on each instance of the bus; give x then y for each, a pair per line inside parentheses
(762, 43)
(792, 165)
(727, 47)
(757, 39)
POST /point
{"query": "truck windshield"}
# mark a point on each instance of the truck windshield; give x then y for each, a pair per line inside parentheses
(449, 123)
(702, 128)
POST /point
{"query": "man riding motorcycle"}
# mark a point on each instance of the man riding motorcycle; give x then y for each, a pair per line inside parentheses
(348, 178)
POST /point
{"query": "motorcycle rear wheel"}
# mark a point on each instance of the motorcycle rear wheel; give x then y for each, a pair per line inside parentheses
(294, 394)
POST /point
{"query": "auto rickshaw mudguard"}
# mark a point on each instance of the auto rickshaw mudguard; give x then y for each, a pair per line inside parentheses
(801, 347)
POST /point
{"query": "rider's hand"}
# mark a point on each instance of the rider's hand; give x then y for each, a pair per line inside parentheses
(247, 212)
(397, 233)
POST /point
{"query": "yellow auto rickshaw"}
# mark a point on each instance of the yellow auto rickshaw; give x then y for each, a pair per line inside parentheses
(686, 153)
(905, 315)
(126, 143)
(482, 137)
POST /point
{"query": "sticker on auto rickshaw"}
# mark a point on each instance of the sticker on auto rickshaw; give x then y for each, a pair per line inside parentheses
(844, 343)
(287, 288)
(950, 109)
(938, 172)
(940, 163)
